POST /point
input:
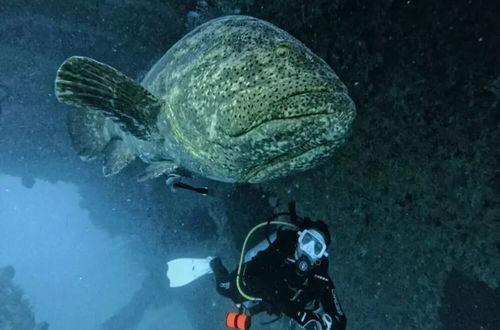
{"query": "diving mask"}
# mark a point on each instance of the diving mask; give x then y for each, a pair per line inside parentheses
(312, 243)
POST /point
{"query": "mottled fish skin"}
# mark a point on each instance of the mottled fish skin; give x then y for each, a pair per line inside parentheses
(247, 102)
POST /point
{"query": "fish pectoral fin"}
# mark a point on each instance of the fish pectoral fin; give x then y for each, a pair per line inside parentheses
(157, 169)
(87, 129)
(117, 155)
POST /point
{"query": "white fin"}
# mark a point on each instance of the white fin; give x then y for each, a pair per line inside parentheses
(183, 271)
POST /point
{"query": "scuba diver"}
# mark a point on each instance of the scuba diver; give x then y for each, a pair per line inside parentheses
(286, 274)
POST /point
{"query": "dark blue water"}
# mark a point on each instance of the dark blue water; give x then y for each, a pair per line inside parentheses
(412, 198)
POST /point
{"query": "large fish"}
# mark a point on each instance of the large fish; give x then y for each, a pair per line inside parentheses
(235, 100)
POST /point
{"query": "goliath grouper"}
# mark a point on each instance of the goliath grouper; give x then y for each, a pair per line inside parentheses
(235, 100)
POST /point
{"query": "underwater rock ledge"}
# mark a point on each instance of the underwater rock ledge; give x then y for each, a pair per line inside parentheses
(15, 310)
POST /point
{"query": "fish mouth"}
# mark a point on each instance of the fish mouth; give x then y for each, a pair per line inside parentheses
(317, 94)
(304, 140)
(319, 89)
(282, 165)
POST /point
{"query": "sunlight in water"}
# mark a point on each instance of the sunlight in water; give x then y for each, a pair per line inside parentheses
(72, 272)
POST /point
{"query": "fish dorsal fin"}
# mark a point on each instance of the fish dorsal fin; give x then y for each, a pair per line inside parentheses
(87, 83)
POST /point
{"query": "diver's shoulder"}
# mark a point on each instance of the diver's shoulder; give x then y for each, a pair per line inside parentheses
(286, 233)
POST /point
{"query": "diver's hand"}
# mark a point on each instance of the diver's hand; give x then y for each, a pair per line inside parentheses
(313, 325)
(333, 323)
(312, 321)
(327, 321)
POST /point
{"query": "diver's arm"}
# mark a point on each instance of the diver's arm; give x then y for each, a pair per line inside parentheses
(333, 317)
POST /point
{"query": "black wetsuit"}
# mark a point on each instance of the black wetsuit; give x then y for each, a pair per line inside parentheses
(272, 276)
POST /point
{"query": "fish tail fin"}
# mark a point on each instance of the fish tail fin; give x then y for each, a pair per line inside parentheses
(86, 83)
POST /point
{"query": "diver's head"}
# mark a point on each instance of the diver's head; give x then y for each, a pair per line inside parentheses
(312, 243)
(311, 247)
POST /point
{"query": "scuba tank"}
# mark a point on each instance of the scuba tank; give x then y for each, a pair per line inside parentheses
(264, 244)
(241, 320)
(296, 222)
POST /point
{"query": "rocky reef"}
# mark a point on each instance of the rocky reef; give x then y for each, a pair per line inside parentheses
(15, 310)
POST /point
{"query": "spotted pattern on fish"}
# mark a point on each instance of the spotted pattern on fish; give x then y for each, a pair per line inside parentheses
(245, 101)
